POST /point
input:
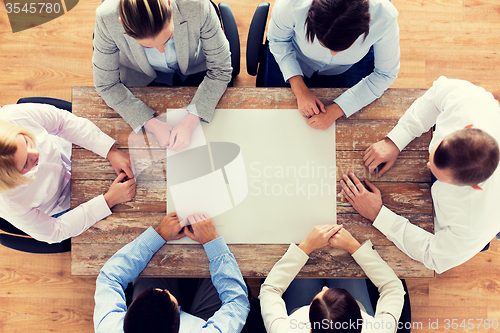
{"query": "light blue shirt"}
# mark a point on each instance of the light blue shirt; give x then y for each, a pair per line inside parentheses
(126, 264)
(296, 56)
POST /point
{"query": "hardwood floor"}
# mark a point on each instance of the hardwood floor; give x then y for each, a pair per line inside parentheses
(455, 38)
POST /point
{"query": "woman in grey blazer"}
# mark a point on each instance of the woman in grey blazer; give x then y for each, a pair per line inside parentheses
(137, 42)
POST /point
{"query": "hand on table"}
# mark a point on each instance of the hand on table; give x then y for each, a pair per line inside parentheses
(307, 102)
(203, 228)
(120, 191)
(323, 121)
(180, 137)
(160, 130)
(366, 203)
(343, 240)
(170, 228)
(120, 161)
(384, 151)
(318, 237)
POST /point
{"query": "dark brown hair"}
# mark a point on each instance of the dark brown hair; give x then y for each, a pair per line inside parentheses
(336, 306)
(337, 23)
(144, 18)
(471, 154)
(153, 311)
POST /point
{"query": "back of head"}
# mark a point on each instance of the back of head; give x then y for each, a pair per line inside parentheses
(471, 154)
(336, 311)
(144, 18)
(337, 23)
(152, 311)
(10, 177)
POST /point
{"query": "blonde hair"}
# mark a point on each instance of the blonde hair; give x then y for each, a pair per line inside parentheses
(144, 18)
(10, 177)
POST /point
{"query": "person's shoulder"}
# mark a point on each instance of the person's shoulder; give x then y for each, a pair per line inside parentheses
(107, 9)
(292, 5)
(383, 10)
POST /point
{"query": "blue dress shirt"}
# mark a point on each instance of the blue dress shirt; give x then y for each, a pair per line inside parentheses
(296, 56)
(126, 264)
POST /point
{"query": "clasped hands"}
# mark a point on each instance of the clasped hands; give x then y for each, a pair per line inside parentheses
(171, 228)
(175, 138)
(333, 235)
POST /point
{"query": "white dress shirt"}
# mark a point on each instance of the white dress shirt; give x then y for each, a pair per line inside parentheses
(465, 219)
(296, 56)
(29, 207)
(273, 308)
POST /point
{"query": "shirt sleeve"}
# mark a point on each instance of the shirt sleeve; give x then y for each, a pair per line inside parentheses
(386, 56)
(64, 124)
(45, 228)
(233, 293)
(390, 288)
(106, 69)
(273, 307)
(218, 58)
(422, 114)
(441, 251)
(121, 269)
(280, 34)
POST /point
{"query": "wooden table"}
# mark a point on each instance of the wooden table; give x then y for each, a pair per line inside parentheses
(405, 187)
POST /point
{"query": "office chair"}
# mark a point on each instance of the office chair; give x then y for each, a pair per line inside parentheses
(17, 239)
(256, 48)
(231, 31)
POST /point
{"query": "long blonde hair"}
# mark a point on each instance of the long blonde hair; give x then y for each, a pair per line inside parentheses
(10, 177)
(144, 18)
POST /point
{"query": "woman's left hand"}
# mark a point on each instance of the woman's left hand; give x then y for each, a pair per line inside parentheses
(318, 237)
(120, 161)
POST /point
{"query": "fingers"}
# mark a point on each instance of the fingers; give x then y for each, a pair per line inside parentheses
(173, 214)
(349, 184)
(128, 170)
(333, 230)
(120, 177)
(386, 167)
(372, 187)
(321, 106)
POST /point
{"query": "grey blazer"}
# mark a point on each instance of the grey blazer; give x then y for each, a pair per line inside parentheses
(119, 60)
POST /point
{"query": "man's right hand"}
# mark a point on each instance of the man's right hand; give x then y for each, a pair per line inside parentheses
(384, 151)
(120, 191)
(203, 228)
(170, 228)
(307, 102)
(160, 130)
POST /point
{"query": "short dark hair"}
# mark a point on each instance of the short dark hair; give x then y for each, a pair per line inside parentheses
(152, 311)
(336, 306)
(337, 23)
(471, 154)
(144, 18)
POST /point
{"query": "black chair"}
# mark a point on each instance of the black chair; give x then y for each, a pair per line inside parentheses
(231, 32)
(405, 324)
(256, 48)
(17, 239)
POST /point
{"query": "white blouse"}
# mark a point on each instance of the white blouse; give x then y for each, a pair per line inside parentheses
(29, 207)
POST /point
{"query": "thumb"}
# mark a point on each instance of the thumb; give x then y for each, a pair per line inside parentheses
(372, 187)
(188, 233)
(120, 177)
(385, 168)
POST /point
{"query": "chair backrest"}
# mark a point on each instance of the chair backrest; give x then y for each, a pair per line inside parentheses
(231, 32)
(58, 103)
(256, 49)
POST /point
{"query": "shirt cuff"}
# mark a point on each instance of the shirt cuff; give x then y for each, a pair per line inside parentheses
(347, 103)
(400, 137)
(365, 247)
(152, 239)
(100, 207)
(192, 109)
(216, 248)
(297, 252)
(385, 220)
(105, 142)
(139, 128)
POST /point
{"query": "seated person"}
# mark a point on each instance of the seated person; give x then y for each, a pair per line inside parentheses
(309, 303)
(141, 42)
(464, 157)
(333, 44)
(35, 170)
(219, 305)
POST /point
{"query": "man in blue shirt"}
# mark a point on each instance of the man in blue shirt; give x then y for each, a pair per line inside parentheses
(158, 310)
(333, 44)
